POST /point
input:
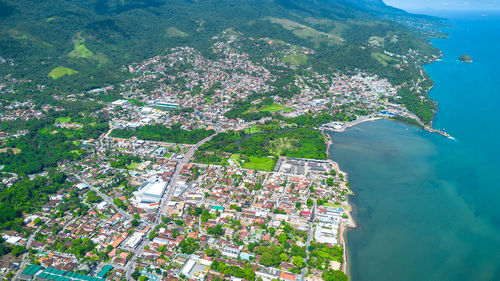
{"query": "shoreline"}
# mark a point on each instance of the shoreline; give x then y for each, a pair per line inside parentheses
(342, 128)
(348, 222)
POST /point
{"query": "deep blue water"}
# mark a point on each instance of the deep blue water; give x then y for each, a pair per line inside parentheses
(427, 207)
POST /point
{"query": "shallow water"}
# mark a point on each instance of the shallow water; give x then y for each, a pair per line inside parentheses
(427, 207)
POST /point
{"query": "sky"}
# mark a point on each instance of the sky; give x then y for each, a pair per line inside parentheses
(483, 5)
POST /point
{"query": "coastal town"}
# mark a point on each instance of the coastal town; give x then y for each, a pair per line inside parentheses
(161, 193)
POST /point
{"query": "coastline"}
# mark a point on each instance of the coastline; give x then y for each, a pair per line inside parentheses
(348, 222)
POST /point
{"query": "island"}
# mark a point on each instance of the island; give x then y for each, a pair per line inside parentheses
(465, 58)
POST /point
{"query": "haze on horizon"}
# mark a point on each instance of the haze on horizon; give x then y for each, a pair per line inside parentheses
(483, 5)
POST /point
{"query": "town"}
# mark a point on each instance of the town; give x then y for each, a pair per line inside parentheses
(160, 193)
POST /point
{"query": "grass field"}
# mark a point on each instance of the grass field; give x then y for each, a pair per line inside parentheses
(63, 119)
(133, 165)
(295, 59)
(61, 71)
(275, 107)
(383, 59)
(81, 51)
(259, 163)
(254, 129)
(270, 108)
(236, 158)
(174, 32)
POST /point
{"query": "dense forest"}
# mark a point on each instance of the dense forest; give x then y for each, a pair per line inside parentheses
(299, 143)
(26, 196)
(75, 45)
(161, 133)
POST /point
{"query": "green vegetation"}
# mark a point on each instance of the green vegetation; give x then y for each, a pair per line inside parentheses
(121, 32)
(255, 149)
(92, 197)
(383, 59)
(162, 133)
(80, 50)
(174, 32)
(334, 275)
(270, 256)
(321, 255)
(295, 59)
(246, 273)
(45, 145)
(61, 71)
(27, 196)
(189, 245)
(259, 163)
(421, 105)
(465, 58)
(65, 119)
(310, 120)
(133, 165)
(274, 107)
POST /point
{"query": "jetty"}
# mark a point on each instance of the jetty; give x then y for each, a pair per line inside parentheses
(442, 133)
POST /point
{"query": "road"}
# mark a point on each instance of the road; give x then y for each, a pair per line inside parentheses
(24, 258)
(164, 203)
(105, 198)
(309, 238)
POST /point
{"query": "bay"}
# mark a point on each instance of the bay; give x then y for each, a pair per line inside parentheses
(427, 207)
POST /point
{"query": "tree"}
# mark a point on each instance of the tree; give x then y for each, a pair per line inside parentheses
(189, 245)
(216, 230)
(18, 250)
(334, 275)
(298, 261)
(283, 257)
(92, 197)
(329, 181)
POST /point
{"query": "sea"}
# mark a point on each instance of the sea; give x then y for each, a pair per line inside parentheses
(428, 207)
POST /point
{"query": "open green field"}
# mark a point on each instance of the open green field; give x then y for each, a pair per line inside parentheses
(81, 51)
(174, 32)
(382, 58)
(254, 129)
(63, 119)
(236, 157)
(295, 59)
(259, 163)
(270, 108)
(275, 107)
(133, 165)
(61, 71)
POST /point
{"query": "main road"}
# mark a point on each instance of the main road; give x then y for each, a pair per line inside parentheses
(166, 198)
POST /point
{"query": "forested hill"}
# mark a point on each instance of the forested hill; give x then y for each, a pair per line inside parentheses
(83, 44)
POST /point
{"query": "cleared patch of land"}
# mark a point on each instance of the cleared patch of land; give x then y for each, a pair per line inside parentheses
(306, 32)
(174, 32)
(270, 108)
(61, 71)
(12, 149)
(63, 119)
(383, 59)
(259, 163)
(295, 59)
(133, 165)
(81, 51)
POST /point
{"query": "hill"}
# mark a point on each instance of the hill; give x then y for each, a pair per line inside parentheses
(96, 38)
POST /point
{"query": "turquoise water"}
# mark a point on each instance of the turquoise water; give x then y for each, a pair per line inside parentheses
(427, 207)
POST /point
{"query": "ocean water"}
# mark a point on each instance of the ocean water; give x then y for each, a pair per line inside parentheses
(427, 207)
